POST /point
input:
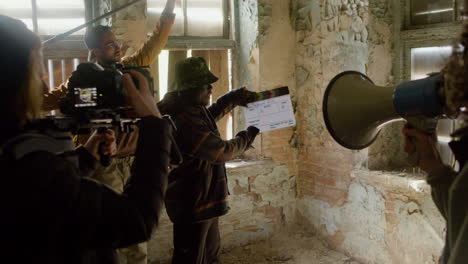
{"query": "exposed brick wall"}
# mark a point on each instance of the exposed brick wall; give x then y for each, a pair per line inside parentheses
(340, 37)
(278, 146)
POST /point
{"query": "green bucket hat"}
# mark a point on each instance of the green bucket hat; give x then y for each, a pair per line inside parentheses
(192, 73)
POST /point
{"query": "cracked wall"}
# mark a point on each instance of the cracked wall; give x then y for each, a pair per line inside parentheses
(372, 221)
(265, 61)
(386, 218)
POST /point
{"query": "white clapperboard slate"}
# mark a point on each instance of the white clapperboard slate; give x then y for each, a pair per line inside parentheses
(273, 113)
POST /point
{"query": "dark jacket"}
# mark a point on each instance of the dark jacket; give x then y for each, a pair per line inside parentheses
(198, 188)
(52, 215)
(450, 194)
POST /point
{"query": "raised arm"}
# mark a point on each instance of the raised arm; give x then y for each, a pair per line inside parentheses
(229, 101)
(147, 54)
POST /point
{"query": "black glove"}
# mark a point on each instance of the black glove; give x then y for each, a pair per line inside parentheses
(252, 132)
(243, 96)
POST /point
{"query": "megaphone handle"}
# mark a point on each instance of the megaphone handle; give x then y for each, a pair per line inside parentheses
(413, 158)
(104, 158)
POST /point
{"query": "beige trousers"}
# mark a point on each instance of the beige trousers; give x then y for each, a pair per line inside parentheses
(115, 176)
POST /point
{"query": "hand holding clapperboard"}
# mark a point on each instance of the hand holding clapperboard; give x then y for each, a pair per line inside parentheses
(271, 110)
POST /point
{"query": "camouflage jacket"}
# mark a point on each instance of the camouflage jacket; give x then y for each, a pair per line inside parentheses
(198, 188)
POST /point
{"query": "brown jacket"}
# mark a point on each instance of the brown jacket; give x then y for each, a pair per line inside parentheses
(198, 188)
(146, 55)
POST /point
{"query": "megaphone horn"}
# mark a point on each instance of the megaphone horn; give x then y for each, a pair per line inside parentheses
(355, 109)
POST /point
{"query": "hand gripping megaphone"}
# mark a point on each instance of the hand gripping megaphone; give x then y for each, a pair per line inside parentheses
(355, 110)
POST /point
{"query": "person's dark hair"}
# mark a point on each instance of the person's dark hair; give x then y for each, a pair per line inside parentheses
(93, 36)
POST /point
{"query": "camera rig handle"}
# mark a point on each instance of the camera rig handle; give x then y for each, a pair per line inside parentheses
(104, 158)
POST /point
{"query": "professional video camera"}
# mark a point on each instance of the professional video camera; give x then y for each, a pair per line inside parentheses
(97, 93)
(97, 99)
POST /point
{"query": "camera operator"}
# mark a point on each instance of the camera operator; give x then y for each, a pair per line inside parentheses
(106, 50)
(449, 187)
(49, 213)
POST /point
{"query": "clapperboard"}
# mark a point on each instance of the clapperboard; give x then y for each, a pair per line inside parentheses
(271, 110)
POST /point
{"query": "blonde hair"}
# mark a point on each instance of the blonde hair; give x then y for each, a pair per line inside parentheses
(29, 97)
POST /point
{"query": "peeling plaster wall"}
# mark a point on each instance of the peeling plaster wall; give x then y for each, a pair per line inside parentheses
(264, 61)
(386, 218)
(376, 217)
(262, 201)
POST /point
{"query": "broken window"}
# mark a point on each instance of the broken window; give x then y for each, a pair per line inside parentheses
(194, 18)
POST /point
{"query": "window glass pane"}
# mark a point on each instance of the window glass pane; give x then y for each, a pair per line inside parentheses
(427, 60)
(19, 9)
(155, 8)
(58, 16)
(424, 12)
(205, 18)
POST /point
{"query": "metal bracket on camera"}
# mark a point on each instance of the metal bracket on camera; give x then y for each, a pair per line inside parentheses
(72, 125)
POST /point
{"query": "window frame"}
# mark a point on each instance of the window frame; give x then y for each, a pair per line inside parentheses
(407, 17)
(213, 43)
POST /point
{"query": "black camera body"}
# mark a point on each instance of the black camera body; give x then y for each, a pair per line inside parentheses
(95, 92)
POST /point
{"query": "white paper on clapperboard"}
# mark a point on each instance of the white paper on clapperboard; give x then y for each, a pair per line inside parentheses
(270, 114)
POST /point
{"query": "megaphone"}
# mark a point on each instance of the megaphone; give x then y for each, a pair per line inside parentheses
(355, 110)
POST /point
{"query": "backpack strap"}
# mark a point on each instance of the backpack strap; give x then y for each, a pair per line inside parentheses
(29, 142)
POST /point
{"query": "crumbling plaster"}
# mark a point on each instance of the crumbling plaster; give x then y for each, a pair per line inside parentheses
(387, 218)
(380, 219)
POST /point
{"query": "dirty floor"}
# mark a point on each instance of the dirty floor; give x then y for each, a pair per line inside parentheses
(286, 248)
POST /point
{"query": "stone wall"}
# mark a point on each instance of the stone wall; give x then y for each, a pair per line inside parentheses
(386, 218)
(376, 217)
(265, 60)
